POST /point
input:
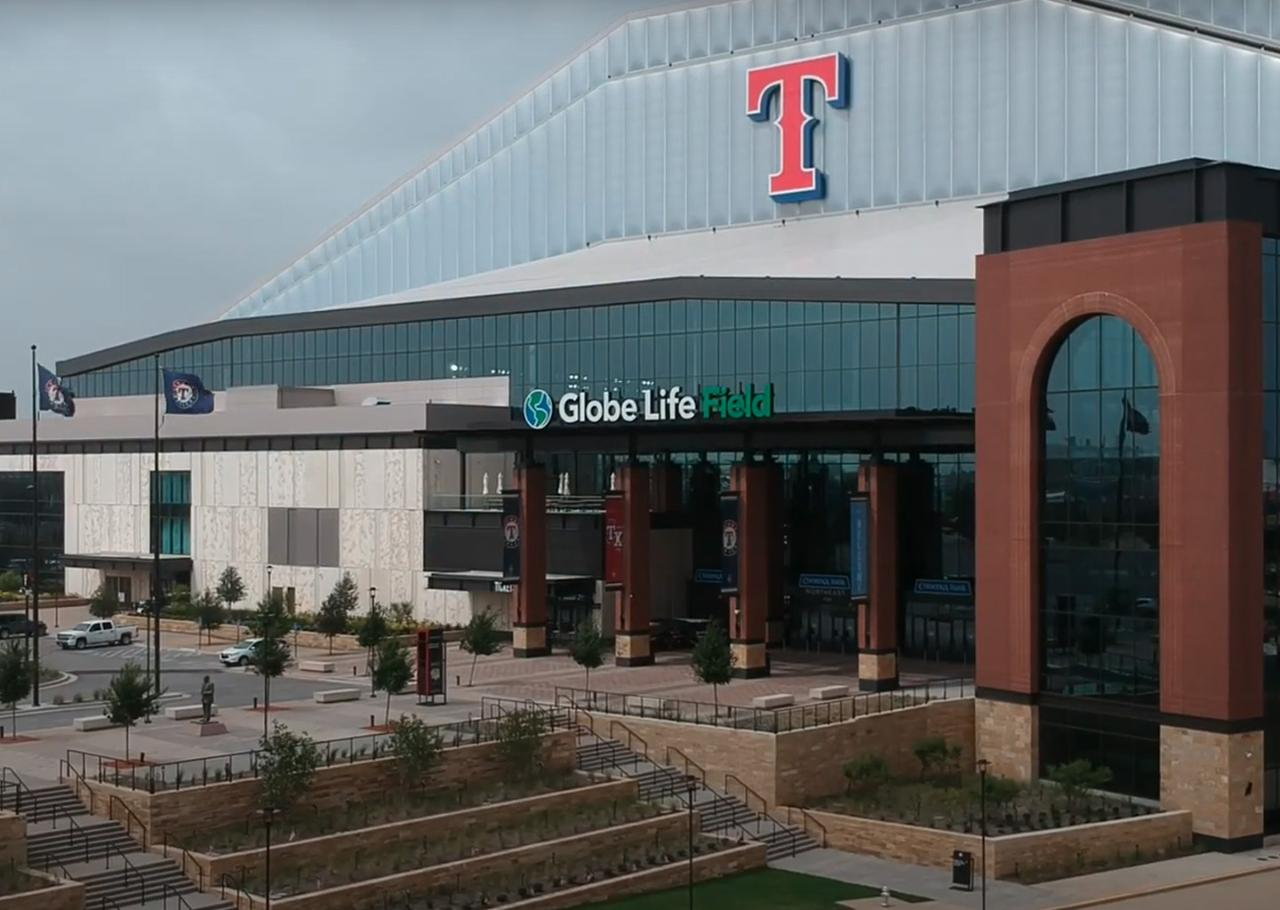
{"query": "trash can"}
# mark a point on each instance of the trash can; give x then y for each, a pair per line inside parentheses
(962, 870)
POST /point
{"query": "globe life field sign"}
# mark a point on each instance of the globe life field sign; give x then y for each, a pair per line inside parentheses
(712, 402)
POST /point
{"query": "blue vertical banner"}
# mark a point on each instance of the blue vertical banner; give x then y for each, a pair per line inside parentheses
(730, 538)
(511, 530)
(859, 546)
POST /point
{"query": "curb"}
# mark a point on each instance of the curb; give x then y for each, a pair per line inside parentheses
(1164, 889)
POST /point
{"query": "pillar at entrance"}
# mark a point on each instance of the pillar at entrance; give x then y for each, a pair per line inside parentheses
(775, 625)
(878, 637)
(631, 642)
(529, 629)
(749, 608)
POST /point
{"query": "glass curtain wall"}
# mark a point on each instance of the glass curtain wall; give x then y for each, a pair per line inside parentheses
(15, 525)
(1271, 527)
(1099, 536)
(819, 356)
(171, 511)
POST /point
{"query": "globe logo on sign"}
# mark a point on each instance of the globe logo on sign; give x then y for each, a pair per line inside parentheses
(537, 409)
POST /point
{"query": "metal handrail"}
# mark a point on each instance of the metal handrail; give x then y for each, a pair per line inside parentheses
(632, 737)
(74, 828)
(164, 897)
(75, 776)
(687, 763)
(186, 855)
(128, 864)
(51, 859)
(18, 785)
(104, 900)
(130, 818)
(237, 888)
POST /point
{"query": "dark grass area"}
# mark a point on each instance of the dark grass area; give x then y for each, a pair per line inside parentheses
(766, 889)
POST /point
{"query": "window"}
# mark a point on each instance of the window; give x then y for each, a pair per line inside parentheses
(171, 512)
(302, 537)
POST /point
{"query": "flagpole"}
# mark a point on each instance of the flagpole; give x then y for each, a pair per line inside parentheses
(156, 597)
(35, 534)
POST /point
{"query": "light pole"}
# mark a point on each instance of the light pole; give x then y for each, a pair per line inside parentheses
(268, 580)
(983, 765)
(267, 818)
(693, 789)
(368, 652)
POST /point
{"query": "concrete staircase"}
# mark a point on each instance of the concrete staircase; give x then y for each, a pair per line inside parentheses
(722, 815)
(65, 840)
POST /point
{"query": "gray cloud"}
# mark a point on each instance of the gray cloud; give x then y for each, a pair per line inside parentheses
(159, 159)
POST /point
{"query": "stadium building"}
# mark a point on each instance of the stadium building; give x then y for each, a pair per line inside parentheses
(943, 332)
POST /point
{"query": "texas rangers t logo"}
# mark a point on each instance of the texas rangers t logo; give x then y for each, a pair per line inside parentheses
(793, 82)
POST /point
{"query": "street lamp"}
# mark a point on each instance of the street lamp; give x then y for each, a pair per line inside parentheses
(983, 765)
(693, 789)
(268, 816)
(268, 580)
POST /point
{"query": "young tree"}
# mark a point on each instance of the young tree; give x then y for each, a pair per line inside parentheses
(287, 764)
(713, 660)
(480, 639)
(179, 600)
(209, 612)
(102, 604)
(335, 612)
(866, 774)
(520, 742)
(230, 591)
(15, 679)
(400, 616)
(392, 671)
(587, 649)
(373, 631)
(271, 655)
(416, 747)
(10, 582)
(129, 699)
(1077, 778)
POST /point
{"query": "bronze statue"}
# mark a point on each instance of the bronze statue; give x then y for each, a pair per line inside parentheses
(206, 700)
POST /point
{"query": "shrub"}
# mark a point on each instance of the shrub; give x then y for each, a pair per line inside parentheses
(520, 742)
(10, 582)
(713, 660)
(129, 699)
(939, 761)
(1077, 778)
(416, 747)
(480, 639)
(287, 763)
(866, 774)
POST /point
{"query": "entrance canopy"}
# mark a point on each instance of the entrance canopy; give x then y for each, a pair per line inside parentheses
(170, 566)
(497, 429)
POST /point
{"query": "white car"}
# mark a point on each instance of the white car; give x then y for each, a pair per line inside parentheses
(239, 655)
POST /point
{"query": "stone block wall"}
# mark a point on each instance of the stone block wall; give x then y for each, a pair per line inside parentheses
(474, 820)
(13, 839)
(1008, 736)
(810, 763)
(1033, 856)
(56, 895)
(1218, 777)
(179, 813)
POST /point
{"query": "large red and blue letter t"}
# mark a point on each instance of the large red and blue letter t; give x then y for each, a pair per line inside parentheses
(793, 82)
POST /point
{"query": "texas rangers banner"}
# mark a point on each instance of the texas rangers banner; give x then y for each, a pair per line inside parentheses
(859, 546)
(511, 537)
(729, 540)
(614, 541)
(54, 395)
(184, 393)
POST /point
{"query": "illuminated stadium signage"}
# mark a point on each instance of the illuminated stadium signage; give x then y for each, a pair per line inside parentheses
(712, 402)
(793, 83)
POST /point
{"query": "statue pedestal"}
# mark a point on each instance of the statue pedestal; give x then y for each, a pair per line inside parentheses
(212, 728)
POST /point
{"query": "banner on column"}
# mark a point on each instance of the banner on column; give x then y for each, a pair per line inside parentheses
(859, 546)
(729, 542)
(511, 530)
(614, 541)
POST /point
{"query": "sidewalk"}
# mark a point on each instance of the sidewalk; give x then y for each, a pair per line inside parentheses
(935, 883)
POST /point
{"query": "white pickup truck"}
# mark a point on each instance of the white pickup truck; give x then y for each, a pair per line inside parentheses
(96, 632)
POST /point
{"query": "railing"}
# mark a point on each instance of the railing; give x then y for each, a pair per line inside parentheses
(10, 781)
(77, 777)
(196, 772)
(73, 828)
(186, 857)
(50, 860)
(180, 902)
(237, 888)
(130, 818)
(104, 902)
(764, 720)
(633, 739)
(688, 767)
(128, 867)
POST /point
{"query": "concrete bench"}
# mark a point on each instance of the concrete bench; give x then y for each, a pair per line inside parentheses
(329, 696)
(92, 722)
(768, 702)
(187, 712)
(826, 693)
(316, 666)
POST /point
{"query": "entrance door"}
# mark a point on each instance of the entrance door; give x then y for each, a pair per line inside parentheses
(119, 588)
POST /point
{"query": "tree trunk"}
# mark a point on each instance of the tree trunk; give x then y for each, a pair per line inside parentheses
(331, 646)
(126, 742)
(386, 720)
(471, 680)
(588, 679)
(715, 695)
(14, 726)
(266, 702)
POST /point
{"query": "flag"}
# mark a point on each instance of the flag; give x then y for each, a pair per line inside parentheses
(54, 395)
(1134, 420)
(184, 393)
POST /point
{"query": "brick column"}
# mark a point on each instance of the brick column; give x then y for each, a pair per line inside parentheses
(749, 608)
(631, 641)
(878, 637)
(529, 629)
(776, 623)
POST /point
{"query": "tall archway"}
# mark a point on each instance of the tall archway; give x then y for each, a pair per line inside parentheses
(1099, 527)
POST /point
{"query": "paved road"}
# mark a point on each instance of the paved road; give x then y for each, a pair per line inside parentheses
(182, 671)
(1250, 892)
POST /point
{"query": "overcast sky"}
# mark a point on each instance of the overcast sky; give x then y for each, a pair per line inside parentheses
(160, 158)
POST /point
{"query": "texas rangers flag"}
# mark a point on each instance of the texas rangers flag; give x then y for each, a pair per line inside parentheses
(54, 396)
(184, 393)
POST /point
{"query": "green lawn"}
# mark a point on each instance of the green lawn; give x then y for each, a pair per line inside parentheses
(766, 889)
